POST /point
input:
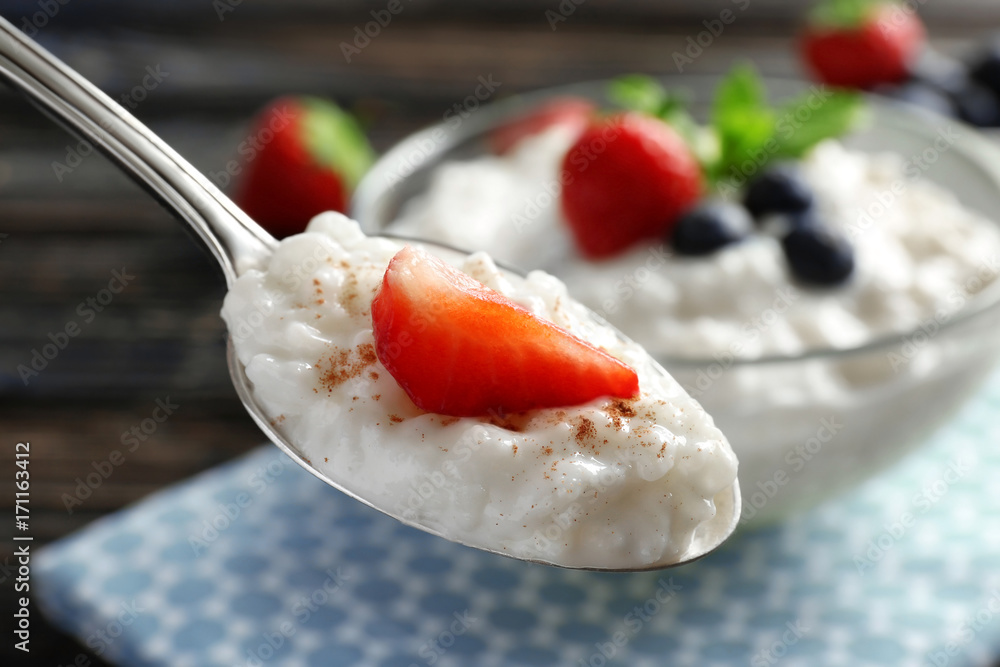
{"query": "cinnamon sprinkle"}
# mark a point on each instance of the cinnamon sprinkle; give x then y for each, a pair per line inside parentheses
(343, 365)
(586, 431)
(621, 409)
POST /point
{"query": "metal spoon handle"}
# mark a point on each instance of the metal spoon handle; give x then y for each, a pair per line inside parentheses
(236, 241)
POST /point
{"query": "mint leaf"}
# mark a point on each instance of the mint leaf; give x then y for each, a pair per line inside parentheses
(741, 89)
(815, 116)
(745, 131)
(645, 94)
(638, 92)
(742, 119)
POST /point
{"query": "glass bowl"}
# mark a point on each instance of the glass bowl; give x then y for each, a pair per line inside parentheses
(805, 426)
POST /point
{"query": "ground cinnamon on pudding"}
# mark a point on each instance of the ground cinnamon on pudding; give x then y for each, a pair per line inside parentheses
(343, 365)
(354, 302)
(586, 431)
(619, 409)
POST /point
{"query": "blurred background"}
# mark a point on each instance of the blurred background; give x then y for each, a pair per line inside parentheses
(65, 230)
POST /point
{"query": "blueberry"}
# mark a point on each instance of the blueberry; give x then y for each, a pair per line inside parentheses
(710, 226)
(977, 105)
(985, 68)
(780, 189)
(818, 255)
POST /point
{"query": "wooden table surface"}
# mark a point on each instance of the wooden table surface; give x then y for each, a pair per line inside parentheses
(63, 234)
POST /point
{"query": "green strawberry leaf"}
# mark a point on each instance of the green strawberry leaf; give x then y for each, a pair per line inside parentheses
(814, 116)
(335, 139)
(843, 13)
(645, 94)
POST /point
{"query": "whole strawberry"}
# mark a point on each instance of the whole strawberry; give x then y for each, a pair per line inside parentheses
(304, 156)
(629, 178)
(862, 43)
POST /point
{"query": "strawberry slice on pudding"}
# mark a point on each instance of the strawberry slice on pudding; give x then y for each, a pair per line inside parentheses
(459, 348)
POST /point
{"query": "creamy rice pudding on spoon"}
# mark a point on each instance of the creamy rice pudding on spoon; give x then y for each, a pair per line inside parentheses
(557, 440)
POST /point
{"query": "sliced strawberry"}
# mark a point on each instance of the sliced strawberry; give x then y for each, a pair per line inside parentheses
(304, 156)
(573, 112)
(863, 45)
(630, 177)
(459, 348)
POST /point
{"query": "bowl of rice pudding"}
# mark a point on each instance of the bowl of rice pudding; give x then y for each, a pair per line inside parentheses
(818, 388)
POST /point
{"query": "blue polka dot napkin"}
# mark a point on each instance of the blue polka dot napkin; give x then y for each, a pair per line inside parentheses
(258, 563)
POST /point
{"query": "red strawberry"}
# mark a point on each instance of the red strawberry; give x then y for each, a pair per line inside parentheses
(459, 348)
(574, 112)
(630, 177)
(856, 44)
(304, 157)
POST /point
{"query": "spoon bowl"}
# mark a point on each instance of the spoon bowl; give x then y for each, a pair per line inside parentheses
(237, 242)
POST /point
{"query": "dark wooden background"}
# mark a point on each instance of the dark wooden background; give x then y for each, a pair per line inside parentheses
(60, 239)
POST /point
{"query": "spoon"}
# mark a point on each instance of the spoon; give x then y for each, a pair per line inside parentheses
(237, 242)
